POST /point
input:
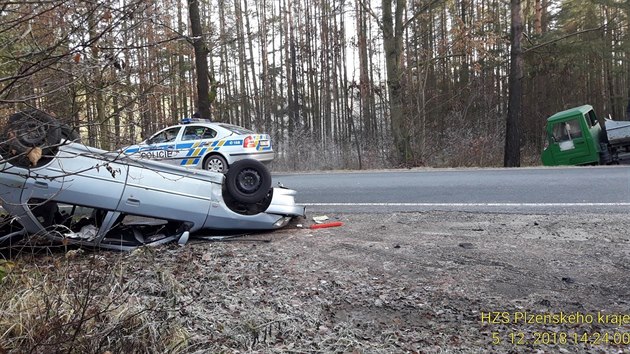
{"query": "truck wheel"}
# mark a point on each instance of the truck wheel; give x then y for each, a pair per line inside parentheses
(248, 181)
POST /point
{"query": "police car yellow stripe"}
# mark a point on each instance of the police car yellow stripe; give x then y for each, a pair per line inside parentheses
(219, 145)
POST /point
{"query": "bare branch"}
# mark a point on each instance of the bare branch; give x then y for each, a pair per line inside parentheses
(420, 12)
(367, 8)
(562, 38)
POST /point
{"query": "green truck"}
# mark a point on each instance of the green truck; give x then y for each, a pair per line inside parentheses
(578, 137)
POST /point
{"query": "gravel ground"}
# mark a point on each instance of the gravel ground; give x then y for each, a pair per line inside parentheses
(435, 282)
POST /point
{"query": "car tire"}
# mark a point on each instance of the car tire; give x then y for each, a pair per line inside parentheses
(32, 128)
(248, 181)
(27, 130)
(215, 163)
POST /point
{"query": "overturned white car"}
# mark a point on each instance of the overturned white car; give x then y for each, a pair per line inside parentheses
(45, 177)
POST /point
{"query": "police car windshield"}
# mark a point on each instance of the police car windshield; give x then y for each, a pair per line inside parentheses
(236, 129)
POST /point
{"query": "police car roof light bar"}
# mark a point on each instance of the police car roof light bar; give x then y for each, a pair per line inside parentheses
(195, 120)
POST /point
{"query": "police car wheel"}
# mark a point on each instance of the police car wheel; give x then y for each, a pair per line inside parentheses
(248, 181)
(215, 163)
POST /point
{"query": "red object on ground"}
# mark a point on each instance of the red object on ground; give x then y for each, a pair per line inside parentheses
(328, 224)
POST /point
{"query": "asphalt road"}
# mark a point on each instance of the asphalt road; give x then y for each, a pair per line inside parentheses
(524, 190)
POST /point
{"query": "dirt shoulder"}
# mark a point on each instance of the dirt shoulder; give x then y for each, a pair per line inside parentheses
(446, 282)
(422, 280)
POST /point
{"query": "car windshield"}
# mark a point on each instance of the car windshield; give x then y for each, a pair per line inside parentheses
(568, 130)
(236, 129)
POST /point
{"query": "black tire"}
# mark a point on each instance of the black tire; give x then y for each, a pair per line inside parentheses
(27, 130)
(248, 181)
(32, 128)
(215, 163)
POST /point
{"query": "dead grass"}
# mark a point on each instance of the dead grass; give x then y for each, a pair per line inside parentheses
(81, 305)
(219, 298)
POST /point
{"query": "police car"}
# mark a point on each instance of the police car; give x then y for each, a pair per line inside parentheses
(198, 143)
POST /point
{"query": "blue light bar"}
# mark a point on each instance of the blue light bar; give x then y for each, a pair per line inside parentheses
(195, 120)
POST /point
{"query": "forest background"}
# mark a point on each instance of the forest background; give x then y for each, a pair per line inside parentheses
(337, 83)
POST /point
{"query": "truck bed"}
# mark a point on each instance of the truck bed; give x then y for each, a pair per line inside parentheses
(618, 132)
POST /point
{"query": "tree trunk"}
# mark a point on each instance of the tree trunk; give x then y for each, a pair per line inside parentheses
(393, 46)
(201, 60)
(266, 96)
(242, 111)
(538, 17)
(255, 93)
(224, 69)
(97, 82)
(181, 67)
(512, 155)
(365, 89)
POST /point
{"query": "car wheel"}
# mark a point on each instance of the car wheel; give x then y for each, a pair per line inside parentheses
(248, 181)
(30, 138)
(215, 163)
(32, 128)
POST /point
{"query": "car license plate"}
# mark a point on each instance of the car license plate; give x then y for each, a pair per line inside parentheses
(264, 143)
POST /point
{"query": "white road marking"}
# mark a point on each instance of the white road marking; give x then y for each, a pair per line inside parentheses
(474, 204)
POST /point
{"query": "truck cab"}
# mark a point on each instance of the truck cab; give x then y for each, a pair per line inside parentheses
(573, 138)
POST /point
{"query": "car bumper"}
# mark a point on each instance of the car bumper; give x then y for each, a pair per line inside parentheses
(279, 212)
(283, 203)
